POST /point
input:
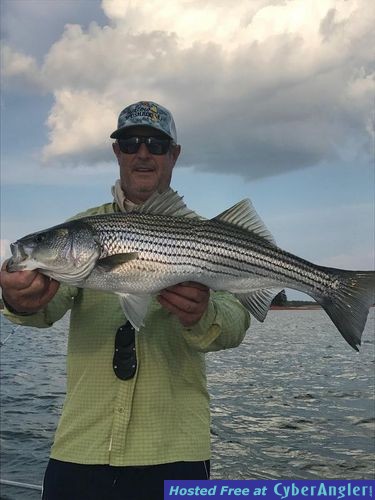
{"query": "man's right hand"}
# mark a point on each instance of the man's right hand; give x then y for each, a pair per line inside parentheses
(27, 291)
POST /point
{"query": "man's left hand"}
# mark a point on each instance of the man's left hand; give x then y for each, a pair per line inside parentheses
(188, 301)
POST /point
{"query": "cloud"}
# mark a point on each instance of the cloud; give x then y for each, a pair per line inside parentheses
(77, 120)
(320, 230)
(20, 70)
(356, 259)
(259, 87)
(31, 25)
(4, 250)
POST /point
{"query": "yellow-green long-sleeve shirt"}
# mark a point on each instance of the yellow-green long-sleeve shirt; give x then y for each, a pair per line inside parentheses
(160, 415)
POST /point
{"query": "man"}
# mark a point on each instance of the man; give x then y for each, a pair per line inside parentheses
(137, 408)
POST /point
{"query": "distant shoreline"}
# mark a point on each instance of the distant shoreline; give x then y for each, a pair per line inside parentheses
(306, 307)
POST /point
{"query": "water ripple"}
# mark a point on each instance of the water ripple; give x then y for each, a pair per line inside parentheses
(293, 401)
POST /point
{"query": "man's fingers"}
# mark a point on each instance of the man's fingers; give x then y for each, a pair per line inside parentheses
(194, 284)
(18, 280)
(176, 301)
(52, 288)
(192, 291)
(188, 301)
(186, 318)
(27, 291)
(41, 286)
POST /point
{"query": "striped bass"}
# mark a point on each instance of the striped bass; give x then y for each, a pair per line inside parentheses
(162, 243)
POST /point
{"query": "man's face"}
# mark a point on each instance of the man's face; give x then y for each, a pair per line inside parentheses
(143, 173)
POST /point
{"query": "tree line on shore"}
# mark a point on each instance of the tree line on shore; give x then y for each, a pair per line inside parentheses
(281, 300)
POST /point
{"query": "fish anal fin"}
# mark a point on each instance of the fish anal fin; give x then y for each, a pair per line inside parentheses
(258, 302)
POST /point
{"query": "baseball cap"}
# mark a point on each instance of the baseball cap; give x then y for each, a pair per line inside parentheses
(149, 114)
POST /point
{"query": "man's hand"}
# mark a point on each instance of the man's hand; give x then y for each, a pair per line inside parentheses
(27, 291)
(188, 301)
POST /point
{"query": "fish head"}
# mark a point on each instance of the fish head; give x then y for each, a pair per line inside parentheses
(70, 250)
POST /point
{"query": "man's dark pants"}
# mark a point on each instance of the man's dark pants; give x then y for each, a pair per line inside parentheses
(68, 481)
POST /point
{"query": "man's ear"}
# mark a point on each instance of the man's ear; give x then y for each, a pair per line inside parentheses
(175, 152)
(116, 150)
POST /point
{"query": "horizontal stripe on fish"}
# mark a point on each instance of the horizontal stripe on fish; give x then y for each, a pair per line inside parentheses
(261, 259)
(161, 243)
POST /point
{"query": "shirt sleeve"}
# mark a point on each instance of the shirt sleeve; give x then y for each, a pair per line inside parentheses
(223, 325)
(56, 308)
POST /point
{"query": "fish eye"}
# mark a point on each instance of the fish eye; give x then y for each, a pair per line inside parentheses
(40, 238)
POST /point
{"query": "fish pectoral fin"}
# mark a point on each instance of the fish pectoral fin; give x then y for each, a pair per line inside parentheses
(109, 263)
(244, 215)
(258, 302)
(135, 308)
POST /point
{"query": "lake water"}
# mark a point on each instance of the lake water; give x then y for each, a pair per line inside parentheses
(293, 401)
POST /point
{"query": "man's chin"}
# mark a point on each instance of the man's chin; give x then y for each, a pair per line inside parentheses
(144, 191)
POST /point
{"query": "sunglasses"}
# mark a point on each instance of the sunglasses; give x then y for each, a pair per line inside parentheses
(155, 145)
(125, 358)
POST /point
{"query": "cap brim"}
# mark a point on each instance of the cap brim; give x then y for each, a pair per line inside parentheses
(118, 133)
(115, 134)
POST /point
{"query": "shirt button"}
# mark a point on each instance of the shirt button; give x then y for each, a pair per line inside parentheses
(121, 409)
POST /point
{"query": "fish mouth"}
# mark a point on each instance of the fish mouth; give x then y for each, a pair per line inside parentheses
(18, 259)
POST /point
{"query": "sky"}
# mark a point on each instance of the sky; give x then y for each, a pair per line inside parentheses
(273, 101)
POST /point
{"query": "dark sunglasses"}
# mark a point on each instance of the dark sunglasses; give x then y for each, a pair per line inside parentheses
(125, 358)
(155, 145)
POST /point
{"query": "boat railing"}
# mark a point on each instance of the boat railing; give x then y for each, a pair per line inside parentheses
(18, 484)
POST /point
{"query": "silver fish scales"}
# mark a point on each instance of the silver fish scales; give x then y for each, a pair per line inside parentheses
(163, 243)
(221, 255)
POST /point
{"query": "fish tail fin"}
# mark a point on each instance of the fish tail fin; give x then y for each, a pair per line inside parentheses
(349, 301)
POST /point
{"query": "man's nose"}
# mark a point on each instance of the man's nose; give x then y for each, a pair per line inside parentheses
(143, 151)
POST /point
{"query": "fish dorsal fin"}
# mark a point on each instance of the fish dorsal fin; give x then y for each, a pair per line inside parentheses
(244, 215)
(167, 203)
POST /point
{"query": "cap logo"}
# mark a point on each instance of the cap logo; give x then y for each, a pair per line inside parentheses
(142, 110)
(155, 117)
(147, 113)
